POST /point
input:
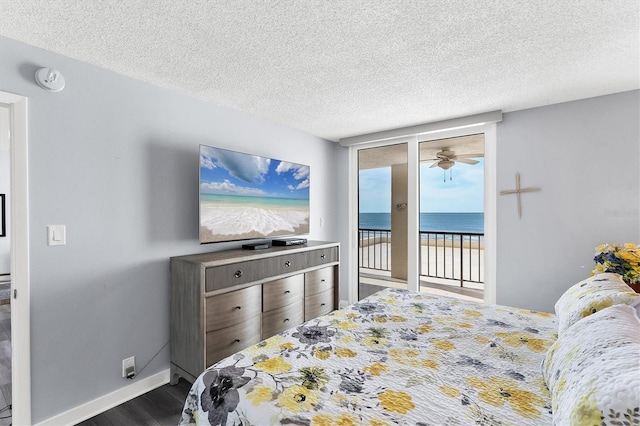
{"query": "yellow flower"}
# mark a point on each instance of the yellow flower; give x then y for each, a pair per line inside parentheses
(327, 420)
(424, 328)
(373, 341)
(444, 345)
(631, 246)
(520, 338)
(500, 390)
(379, 318)
(429, 363)
(352, 315)
(345, 353)
(481, 339)
(396, 318)
(450, 391)
(260, 394)
(586, 411)
(378, 422)
(298, 398)
(347, 339)
(274, 366)
(376, 368)
(399, 402)
(321, 354)
(347, 325)
(465, 325)
(403, 353)
(286, 346)
(472, 312)
(596, 306)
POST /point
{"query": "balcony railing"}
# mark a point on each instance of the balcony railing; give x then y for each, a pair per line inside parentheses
(447, 255)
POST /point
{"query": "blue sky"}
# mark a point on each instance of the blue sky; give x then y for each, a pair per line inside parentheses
(465, 193)
(233, 173)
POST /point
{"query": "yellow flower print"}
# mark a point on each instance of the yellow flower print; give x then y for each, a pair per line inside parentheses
(424, 328)
(396, 318)
(500, 390)
(298, 398)
(274, 366)
(596, 306)
(321, 354)
(260, 394)
(376, 369)
(520, 338)
(429, 363)
(472, 313)
(347, 325)
(481, 339)
(352, 315)
(266, 345)
(345, 353)
(327, 420)
(380, 319)
(586, 412)
(347, 339)
(465, 325)
(399, 402)
(378, 422)
(450, 391)
(286, 346)
(444, 345)
(403, 353)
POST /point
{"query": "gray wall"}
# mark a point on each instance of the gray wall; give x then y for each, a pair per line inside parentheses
(585, 155)
(116, 161)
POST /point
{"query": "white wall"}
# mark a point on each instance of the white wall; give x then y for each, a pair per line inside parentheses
(5, 188)
(116, 161)
(585, 155)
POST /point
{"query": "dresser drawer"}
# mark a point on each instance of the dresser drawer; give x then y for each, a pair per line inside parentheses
(289, 263)
(222, 343)
(322, 256)
(224, 276)
(278, 320)
(276, 294)
(318, 281)
(318, 304)
(234, 307)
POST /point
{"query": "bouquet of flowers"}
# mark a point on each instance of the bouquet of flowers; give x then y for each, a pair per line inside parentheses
(619, 259)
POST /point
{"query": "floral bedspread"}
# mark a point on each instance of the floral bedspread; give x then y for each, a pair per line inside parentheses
(396, 357)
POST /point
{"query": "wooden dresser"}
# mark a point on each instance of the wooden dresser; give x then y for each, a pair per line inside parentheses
(225, 301)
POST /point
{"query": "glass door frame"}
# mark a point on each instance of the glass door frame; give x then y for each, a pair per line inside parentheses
(413, 214)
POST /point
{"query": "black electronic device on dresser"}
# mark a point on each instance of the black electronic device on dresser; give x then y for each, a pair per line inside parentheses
(289, 242)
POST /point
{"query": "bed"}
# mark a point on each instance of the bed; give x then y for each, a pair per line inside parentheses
(399, 357)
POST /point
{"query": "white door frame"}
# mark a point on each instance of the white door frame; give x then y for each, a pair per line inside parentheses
(20, 288)
(413, 251)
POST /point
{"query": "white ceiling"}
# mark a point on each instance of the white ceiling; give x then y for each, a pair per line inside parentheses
(342, 68)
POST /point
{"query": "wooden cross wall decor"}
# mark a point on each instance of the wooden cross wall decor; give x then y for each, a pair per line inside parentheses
(518, 191)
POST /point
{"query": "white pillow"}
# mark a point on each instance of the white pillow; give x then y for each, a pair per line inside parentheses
(592, 295)
(593, 370)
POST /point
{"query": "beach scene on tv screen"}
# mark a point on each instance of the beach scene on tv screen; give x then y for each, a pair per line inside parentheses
(245, 196)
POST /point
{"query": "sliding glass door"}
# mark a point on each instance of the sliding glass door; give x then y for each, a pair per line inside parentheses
(382, 218)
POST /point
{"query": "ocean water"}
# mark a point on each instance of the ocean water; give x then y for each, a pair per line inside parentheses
(441, 222)
(238, 200)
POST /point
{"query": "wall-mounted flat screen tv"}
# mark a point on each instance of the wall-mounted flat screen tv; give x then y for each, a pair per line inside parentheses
(244, 196)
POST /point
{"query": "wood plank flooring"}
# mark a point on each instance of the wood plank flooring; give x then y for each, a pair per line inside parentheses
(159, 407)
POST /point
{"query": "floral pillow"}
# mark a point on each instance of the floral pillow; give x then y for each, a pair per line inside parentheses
(593, 295)
(592, 370)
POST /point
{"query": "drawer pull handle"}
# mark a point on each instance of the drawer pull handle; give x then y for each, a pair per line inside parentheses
(322, 304)
(322, 280)
(238, 307)
(287, 291)
(322, 256)
(237, 341)
(238, 273)
(287, 263)
(286, 320)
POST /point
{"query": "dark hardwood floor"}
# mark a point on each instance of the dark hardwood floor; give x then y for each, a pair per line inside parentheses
(159, 407)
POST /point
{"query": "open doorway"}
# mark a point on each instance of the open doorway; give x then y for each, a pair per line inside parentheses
(5, 266)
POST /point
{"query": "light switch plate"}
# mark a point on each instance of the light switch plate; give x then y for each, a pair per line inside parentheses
(56, 235)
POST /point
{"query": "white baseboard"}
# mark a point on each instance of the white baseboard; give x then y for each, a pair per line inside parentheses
(108, 401)
(343, 304)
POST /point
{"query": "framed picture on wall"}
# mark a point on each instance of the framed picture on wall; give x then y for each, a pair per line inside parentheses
(3, 221)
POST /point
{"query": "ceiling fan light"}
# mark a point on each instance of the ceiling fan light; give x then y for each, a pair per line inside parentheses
(445, 164)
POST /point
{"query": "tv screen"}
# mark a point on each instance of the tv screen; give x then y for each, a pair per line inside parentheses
(245, 196)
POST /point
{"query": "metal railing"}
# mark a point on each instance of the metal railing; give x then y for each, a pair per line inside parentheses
(447, 255)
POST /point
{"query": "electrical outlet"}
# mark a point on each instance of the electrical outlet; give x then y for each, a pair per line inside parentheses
(129, 367)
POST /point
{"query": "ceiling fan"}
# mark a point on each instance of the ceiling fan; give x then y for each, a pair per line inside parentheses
(446, 159)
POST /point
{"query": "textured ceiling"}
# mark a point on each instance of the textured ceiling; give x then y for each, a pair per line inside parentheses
(342, 68)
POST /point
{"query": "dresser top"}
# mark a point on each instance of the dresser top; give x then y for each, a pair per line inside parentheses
(240, 255)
